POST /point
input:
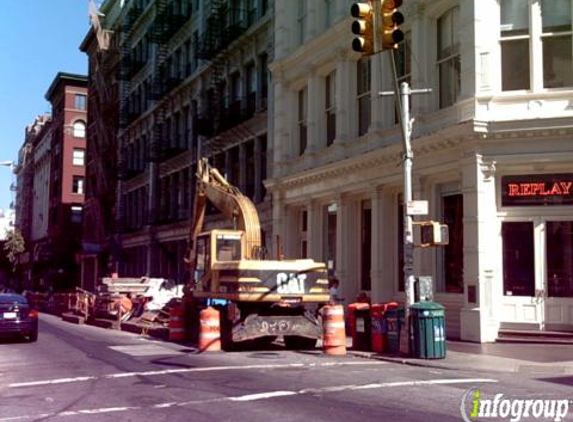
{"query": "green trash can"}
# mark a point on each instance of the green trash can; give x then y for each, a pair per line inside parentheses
(428, 330)
(394, 321)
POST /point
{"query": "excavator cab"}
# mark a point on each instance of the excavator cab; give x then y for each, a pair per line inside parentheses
(228, 245)
(217, 246)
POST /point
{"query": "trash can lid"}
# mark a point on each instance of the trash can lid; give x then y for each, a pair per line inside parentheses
(427, 306)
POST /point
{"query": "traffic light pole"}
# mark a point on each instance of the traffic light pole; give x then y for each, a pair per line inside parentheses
(402, 95)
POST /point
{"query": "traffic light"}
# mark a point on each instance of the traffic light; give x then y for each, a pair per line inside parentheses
(391, 19)
(363, 27)
(432, 233)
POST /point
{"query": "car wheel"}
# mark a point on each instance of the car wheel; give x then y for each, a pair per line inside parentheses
(33, 336)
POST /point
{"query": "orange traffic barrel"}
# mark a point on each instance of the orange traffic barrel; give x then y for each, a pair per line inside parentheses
(177, 323)
(334, 333)
(209, 330)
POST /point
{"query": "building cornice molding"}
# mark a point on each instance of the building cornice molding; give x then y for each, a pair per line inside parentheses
(387, 157)
(315, 52)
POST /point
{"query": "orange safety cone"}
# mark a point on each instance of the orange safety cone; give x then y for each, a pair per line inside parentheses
(209, 330)
(334, 334)
(177, 323)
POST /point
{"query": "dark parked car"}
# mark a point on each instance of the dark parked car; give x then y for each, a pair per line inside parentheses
(17, 316)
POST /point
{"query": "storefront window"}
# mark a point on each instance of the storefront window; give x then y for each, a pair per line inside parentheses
(559, 258)
(518, 259)
(453, 212)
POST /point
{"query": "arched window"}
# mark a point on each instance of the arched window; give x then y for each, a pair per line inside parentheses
(79, 129)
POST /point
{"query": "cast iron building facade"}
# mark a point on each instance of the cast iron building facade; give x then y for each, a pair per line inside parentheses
(100, 253)
(492, 155)
(192, 79)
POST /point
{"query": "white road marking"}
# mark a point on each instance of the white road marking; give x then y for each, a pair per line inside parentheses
(189, 370)
(263, 396)
(146, 350)
(258, 396)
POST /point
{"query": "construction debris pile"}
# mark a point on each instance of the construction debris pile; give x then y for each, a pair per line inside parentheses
(134, 304)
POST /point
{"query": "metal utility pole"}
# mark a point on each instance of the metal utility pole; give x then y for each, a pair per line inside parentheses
(402, 94)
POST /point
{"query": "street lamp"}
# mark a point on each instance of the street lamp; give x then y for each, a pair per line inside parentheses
(12, 166)
(7, 163)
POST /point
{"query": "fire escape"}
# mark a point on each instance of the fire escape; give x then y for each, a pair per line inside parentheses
(225, 24)
(102, 147)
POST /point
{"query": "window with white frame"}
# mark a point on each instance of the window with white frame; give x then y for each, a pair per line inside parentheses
(301, 22)
(302, 115)
(363, 95)
(523, 23)
(80, 102)
(330, 107)
(79, 129)
(78, 185)
(449, 57)
(78, 157)
(556, 34)
(514, 44)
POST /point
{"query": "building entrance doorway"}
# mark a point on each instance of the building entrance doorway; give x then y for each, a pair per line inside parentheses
(538, 274)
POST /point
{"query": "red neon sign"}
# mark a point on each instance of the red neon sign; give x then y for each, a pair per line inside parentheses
(542, 189)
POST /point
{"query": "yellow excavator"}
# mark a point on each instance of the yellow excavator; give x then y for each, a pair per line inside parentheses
(258, 298)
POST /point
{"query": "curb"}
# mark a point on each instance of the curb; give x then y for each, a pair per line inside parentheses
(522, 368)
(402, 361)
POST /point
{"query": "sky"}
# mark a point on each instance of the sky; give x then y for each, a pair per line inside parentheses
(38, 39)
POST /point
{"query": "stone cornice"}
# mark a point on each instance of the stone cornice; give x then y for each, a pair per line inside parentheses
(379, 158)
(314, 52)
(531, 128)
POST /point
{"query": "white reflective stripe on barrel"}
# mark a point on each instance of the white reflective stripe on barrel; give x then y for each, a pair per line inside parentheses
(210, 335)
(334, 324)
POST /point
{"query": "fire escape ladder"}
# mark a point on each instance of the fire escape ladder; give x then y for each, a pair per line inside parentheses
(216, 106)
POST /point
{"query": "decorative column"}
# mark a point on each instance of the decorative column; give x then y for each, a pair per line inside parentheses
(285, 109)
(278, 223)
(482, 283)
(347, 245)
(345, 97)
(314, 235)
(382, 287)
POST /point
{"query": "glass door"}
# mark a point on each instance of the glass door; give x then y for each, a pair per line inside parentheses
(537, 274)
(558, 290)
(520, 302)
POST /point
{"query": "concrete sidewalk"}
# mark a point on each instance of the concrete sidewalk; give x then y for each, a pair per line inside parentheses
(531, 358)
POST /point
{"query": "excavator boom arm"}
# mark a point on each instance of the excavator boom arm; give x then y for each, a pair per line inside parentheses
(213, 187)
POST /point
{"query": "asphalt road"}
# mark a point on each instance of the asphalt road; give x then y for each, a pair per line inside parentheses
(83, 373)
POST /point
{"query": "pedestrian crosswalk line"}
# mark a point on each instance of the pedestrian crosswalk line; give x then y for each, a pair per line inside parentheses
(145, 350)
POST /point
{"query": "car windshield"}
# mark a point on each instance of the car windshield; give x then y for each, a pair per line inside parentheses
(10, 298)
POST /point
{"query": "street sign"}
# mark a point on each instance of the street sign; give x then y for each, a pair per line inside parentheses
(417, 208)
